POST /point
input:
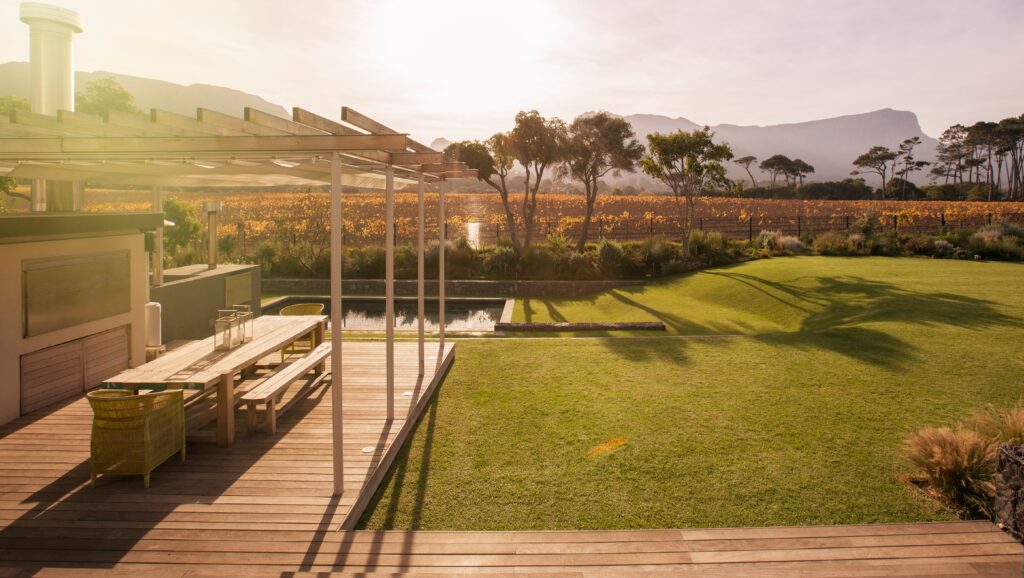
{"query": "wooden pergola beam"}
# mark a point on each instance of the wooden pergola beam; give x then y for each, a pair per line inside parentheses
(325, 124)
(366, 123)
(268, 120)
(143, 147)
(235, 124)
(144, 126)
(416, 158)
(175, 120)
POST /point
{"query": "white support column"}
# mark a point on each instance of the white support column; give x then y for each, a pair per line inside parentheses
(419, 274)
(389, 286)
(337, 437)
(158, 239)
(442, 228)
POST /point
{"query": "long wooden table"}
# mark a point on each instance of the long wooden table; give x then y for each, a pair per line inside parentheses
(198, 366)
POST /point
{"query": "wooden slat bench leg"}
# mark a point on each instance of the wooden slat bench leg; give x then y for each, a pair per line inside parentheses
(271, 416)
(250, 415)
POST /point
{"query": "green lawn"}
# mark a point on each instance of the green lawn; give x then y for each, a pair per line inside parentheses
(781, 397)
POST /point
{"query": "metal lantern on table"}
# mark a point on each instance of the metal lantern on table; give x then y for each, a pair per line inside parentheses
(246, 320)
(223, 329)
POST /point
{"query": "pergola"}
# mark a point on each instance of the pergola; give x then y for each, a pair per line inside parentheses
(259, 149)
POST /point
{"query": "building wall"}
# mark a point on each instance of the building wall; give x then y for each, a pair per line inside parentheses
(12, 342)
(192, 295)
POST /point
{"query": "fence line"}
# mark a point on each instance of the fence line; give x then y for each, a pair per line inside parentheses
(248, 242)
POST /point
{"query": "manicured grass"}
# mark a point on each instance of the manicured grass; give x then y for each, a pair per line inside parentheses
(787, 403)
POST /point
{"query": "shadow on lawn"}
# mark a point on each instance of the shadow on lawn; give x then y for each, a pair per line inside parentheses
(395, 478)
(837, 314)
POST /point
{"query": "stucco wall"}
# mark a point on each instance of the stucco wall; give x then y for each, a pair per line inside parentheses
(190, 298)
(13, 344)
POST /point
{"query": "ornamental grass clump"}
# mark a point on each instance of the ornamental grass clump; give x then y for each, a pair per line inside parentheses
(958, 463)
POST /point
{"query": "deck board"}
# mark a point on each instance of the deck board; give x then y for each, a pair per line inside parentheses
(264, 508)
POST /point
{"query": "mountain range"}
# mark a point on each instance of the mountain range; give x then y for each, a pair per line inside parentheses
(830, 145)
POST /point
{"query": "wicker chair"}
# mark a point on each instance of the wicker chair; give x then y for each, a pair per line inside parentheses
(305, 343)
(133, 434)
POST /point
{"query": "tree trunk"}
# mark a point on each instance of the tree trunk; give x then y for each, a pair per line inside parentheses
(591, 194)
(753, 183)
(527, 216)
(510, 219)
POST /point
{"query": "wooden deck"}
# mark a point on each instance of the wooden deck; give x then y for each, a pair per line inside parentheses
(264, 508)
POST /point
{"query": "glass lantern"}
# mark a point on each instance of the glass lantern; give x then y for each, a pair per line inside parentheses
(246, 320)
(223, 330)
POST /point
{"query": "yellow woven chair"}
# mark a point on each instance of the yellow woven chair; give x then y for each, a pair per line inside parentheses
(133, 434)
(303, 344)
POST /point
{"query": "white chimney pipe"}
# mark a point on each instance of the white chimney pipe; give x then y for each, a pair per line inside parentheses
(52, 65)
(51, 58)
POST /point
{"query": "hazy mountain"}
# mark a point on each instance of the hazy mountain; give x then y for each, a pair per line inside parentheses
(150, 93)
(830, 145)
(439, 144)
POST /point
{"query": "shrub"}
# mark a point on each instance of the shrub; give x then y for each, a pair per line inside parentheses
(501, 262)
(609, 257)
(778, 244)
(943, 249)
(711, 248)
(657, 252)
(959, 463)
(581, 266)
(920, 245)
(830, 243)
(884, 244)
(991, 243)
(858, 244)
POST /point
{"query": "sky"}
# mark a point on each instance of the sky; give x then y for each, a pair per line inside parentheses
(463, 68)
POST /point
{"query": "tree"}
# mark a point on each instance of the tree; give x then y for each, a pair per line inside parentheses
(592, 147)
(776, 165)
(905, 158)
(745, 162)
(104, 95)
(981, 137)
(689, 163)
(535, 142)
(186, 229)
(951, 152)
(492, 160)
(877, 160)
(800, 169)
(11, 103)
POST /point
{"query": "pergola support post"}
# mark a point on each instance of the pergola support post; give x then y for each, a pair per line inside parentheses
(442, 229)
(158, 238)
(420, 276)
(337, 425)
(389, 286)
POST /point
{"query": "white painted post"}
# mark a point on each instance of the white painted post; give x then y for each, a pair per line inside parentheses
(420, 274)
(337, 437)
(443, 234)
(389, 285)
(158, 241)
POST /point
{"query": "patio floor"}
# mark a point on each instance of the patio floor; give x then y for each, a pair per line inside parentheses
(264, 508)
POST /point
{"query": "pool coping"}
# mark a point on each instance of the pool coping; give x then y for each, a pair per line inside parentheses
(506, 311)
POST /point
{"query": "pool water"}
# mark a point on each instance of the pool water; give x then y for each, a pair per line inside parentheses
(365, 313)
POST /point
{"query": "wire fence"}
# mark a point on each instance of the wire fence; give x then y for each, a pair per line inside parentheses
(247, 240)
(748, 228)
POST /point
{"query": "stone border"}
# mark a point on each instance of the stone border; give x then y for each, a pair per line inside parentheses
(456, 288)
(594, 326)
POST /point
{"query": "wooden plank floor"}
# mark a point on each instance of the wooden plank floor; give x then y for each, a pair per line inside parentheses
(264, 508)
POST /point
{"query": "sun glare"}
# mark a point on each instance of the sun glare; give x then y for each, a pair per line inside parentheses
(457, 47)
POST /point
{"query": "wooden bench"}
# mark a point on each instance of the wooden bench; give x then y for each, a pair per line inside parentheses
(272, 389)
